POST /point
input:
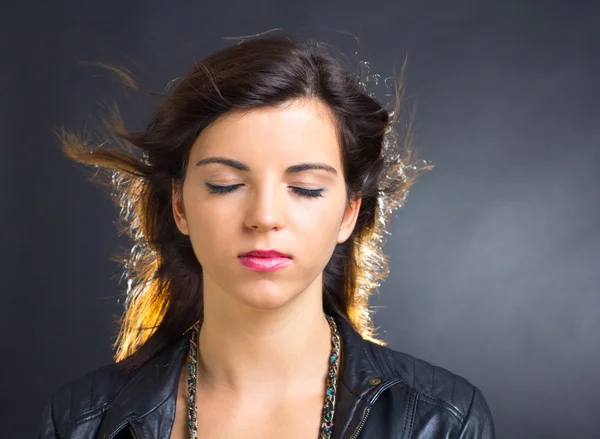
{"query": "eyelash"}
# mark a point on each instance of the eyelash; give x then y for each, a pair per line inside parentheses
(310, 193)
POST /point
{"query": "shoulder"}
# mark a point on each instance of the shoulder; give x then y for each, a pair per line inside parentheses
(432, 381)
(111, 393)
(437, 386)
(83, 398)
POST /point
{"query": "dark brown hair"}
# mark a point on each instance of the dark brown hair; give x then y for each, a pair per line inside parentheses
(164, 278)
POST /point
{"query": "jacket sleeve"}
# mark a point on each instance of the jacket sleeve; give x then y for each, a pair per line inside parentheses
(47, 428)
(479, 423)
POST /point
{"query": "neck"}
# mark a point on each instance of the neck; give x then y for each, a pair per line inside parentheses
(270, 354)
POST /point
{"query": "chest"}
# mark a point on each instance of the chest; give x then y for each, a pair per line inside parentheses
(224, 420)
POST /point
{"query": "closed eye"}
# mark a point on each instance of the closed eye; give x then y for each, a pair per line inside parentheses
(310, 193)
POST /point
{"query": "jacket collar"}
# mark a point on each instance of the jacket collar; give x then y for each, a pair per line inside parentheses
(363, 371)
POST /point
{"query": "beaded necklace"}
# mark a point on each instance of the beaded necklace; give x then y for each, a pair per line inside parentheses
(328, 406)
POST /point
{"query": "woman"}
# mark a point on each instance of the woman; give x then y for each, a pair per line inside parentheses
(257, 199)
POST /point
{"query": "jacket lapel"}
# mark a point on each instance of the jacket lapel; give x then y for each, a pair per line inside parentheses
(362, 377)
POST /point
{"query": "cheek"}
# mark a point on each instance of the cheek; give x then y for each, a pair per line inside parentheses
(317, 229)
(210, 234)
(319, 221)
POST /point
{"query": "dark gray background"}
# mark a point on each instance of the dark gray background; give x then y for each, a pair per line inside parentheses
(494, 259)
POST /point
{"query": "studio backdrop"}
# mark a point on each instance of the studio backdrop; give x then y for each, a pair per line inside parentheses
(494, 259)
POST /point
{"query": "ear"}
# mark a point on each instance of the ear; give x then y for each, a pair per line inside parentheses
(178, 208)
(349, 220)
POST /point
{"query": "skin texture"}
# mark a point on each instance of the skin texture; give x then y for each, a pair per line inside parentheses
(264, 344)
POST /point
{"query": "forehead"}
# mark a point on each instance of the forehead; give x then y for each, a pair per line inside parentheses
(296, 130)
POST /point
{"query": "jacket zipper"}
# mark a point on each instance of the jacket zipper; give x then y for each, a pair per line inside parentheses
(364, 419)
(361, 425)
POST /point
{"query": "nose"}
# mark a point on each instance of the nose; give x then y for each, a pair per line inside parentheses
(266, 208)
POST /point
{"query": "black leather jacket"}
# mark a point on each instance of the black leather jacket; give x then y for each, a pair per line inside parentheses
(381, 394)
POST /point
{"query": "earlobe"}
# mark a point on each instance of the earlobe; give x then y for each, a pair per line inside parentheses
(178, 210)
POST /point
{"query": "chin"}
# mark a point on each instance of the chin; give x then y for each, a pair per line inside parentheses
(266, 297)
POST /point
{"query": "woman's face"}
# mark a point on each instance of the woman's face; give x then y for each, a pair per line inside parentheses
(264, 207)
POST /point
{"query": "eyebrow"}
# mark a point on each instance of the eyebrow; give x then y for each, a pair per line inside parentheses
(289, 170)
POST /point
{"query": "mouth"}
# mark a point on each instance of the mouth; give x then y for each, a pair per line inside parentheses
(265, 260)
(270, 253)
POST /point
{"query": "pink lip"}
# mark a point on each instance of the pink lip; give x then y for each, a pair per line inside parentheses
(266, 254)
(264, 264)
(265, 260)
